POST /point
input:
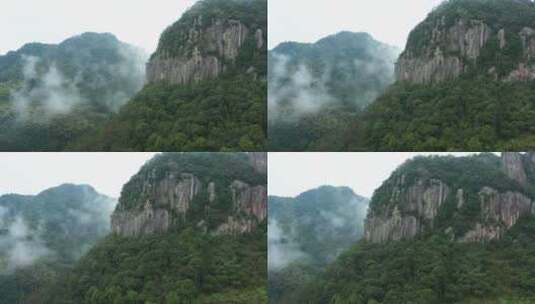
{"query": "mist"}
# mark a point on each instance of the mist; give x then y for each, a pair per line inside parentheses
(283, 249)
(44, 227)
(46, 91)
(315, 227)
(301, 91)
(21, 245)
(342, 69)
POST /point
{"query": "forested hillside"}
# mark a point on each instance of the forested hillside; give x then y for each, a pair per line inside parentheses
(189, 228)
(464, 82)
(52, 95)
(308, 232)
(206, 86)
(315, 89)
(442, 230)
(43, 236)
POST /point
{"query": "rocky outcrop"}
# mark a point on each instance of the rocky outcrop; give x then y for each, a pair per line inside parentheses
(168, 200)
(209, 47)
(451, 50)
(412, 207)
(513, 167)
(379, 229)
(446, 55)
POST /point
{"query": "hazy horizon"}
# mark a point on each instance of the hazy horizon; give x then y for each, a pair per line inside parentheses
(31, 173)
(54, 21)
(309, 21)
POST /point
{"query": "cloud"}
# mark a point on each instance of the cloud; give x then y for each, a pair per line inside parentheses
(46, 91)
(297, 88)
(282, 248)
(21, 245)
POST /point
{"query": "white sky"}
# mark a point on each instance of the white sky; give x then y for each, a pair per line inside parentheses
(31, 173)
(290, 174)
(388, 21)
(138, 22)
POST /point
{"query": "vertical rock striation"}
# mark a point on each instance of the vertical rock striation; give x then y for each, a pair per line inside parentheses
(452, 39)
(201, 46)
(412, 208)
(167, 201)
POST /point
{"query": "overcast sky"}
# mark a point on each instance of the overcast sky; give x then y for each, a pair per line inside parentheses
(293, 173)
(138, 22)
(388, 21)
(31, 173)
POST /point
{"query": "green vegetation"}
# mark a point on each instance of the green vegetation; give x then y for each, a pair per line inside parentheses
(308, 232)
(43, 236)
(97, 75)
(479, 111)
(432, 270)
(218, 115)
(52, 95)
(467, 114)
(220, 168)
(181, 267)
(318, 88)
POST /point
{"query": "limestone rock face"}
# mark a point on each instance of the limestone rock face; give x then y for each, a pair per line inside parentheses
(412, 204)
(449, 52)
(168, 200)
(210, 47)
(147, 221)
(446, 54)
(412, 208)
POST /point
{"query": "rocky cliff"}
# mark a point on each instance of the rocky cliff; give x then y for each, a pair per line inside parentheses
(497, 38)
(472, 199)
(208, 40)
(220, 193)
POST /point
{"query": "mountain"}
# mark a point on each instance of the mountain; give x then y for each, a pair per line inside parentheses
(206, 87)
(306, 233)
(313, 86)
(43, 235)
(464, 82)
(468, 199)
(442, 229)
(51, 95)
(189, 227)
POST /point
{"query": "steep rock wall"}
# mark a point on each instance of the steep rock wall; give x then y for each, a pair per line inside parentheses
(168, 201)
(449, 52)
(412, 208)
(206, 53)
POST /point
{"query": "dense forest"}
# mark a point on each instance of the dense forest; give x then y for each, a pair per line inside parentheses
(92, 93)
(224, 114)
(53, 95)
(43, 236)
(432, 270)
(174, 268)
(316, 89)
(488, 107)
(64, 245)
(434, 267)
(477, 95)
(227, 113)
(306, 233)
